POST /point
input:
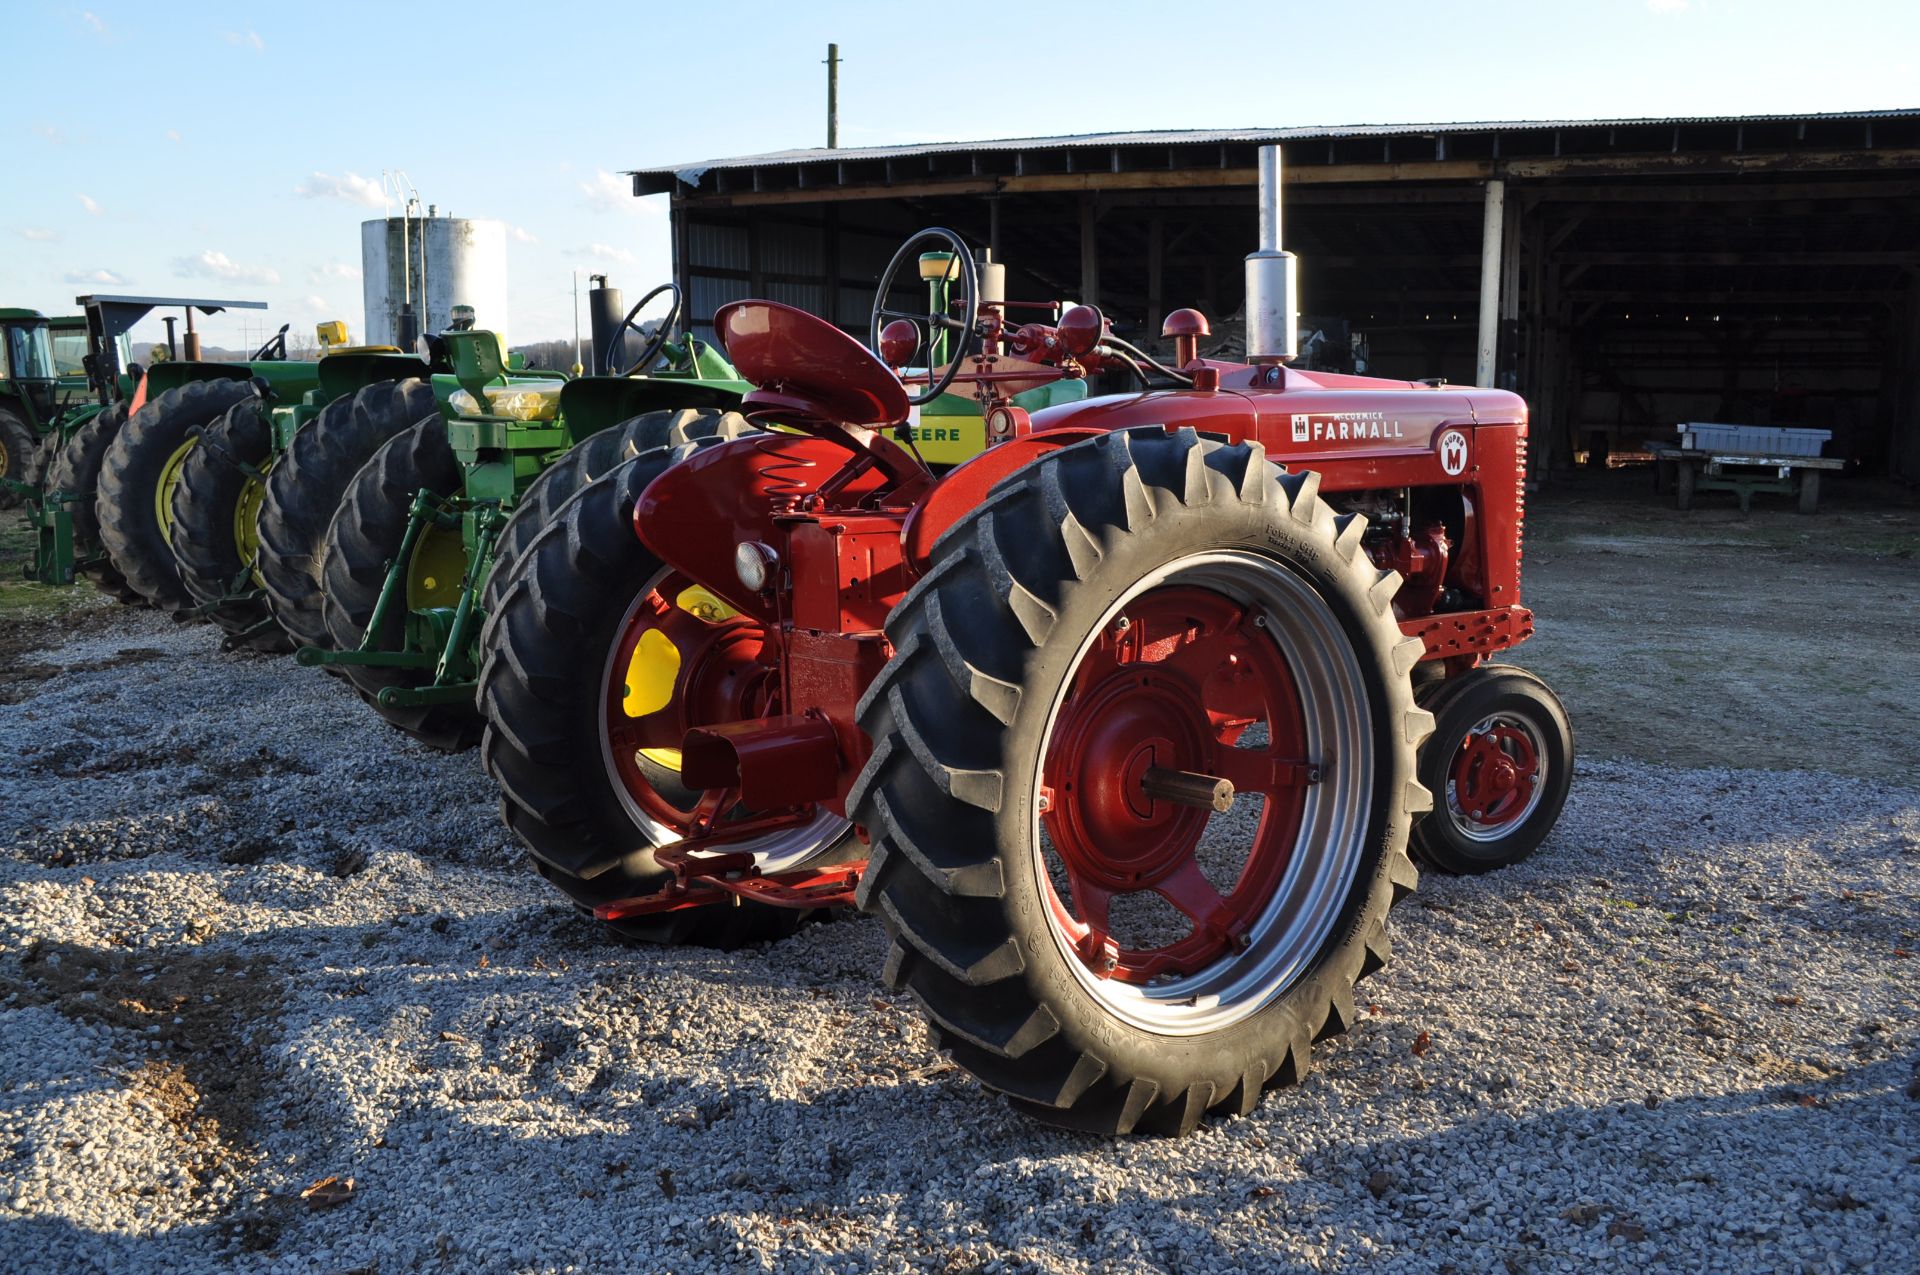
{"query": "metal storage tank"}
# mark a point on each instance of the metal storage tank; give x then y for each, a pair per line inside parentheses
(432, 263)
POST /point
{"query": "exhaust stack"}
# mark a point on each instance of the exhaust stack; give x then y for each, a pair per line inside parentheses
(1273, 278)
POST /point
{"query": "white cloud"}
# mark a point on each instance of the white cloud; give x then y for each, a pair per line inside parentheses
(333, 270)
(251, 40)
(217, 265)
(604, 252)
(51, 134)
(351, 187)
(610, 192)
(173, 135)
(522, 234)
(1667, 8)
(95, 276)
(89, 203)
(36, 234)
(99, 27)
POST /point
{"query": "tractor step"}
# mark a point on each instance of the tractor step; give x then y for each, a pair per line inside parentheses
(320, 657)
(426, 696)
(704, 878)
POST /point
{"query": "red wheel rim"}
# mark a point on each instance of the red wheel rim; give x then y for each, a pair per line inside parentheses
(725, 674)
(1494, 781)
(1176, 682)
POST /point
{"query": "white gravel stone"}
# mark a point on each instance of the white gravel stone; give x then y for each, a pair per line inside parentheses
(1681, 1037)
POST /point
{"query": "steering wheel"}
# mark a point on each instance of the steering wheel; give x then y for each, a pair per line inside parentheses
(662, 333)
(275, 348)
(931, 319)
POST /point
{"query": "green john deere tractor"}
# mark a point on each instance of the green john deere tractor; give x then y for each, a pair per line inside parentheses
(409, 550)
(418, 551)
(94, 383)
(29, 402)
(240, 480)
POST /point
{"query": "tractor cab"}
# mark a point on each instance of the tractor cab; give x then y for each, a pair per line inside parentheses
(27, 376)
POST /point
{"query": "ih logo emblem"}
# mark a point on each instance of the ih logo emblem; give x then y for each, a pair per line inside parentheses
(1453, 452)
(1302, 428)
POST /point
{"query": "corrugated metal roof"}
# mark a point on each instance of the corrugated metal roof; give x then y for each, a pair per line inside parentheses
(691, 173)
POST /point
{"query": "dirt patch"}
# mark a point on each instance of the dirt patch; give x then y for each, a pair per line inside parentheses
(205, 1012)
(1717, 638)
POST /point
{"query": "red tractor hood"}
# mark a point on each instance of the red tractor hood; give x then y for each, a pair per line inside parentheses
(1302, 417)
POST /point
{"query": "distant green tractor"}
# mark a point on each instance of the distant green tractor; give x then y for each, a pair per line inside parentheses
(259, 464)
(416, 536)
(29, 401)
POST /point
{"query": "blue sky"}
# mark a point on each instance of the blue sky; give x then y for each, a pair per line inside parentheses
(232, 149)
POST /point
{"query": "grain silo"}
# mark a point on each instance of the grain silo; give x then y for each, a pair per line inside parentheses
(417, 267)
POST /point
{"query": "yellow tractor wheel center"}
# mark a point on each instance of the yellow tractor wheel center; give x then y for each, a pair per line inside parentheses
(163, 490)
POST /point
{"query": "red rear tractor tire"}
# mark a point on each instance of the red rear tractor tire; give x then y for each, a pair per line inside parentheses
(548, 690)
(1499, 765)
(1142, 603)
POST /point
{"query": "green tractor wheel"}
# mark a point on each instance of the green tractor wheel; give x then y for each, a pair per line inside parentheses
(215, 500)
(585, 461)
(19, 454)
(137, 477)
(76, 470)
(367, 530)
(305, 487)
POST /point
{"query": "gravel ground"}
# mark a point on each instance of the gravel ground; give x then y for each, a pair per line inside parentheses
(250, 939)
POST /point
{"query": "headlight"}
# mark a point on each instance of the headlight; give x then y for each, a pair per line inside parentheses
(754, 562)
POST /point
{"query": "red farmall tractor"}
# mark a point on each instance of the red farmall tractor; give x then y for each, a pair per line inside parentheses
(1124, 726)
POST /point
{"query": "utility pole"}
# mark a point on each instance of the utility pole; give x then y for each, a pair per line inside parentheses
(833, 96)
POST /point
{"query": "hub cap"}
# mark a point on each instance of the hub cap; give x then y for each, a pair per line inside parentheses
(1496, 778)
(163, 489)
(683, 658)
(1176, 917)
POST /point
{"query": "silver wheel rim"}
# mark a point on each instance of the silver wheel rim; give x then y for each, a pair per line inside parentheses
(1295, 925)
(774, 852)
(1487, 834)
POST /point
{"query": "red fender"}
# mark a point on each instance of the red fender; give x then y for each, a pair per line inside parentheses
(695, 513)
(966, 486)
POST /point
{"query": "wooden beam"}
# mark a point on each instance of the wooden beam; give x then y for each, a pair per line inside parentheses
(1300, 175)
(1089, 250)
(1813, 257)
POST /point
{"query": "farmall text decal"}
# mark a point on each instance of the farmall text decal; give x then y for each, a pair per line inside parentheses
(1344, 427)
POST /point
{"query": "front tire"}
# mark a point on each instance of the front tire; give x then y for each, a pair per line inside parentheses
(1499, 765)
(1141, 601)
(20, 454)
(543, 688)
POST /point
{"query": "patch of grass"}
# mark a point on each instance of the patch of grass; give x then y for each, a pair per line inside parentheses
(23, 599)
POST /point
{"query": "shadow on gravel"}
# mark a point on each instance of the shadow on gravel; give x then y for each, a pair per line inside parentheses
(205, 1013)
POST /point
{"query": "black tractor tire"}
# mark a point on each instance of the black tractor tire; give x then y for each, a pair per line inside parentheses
(213, 481)
(580, 465)
(365, 534)
(985, 645)
(130, 476)
(545, 651)
(76, 470)
(1445, 840)
(20, 453)
(305, 489)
